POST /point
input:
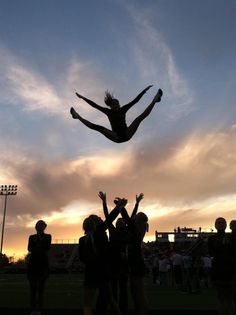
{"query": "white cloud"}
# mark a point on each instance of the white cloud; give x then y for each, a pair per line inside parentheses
(156, 64)
(183, 176)
(189, 184)
(26, 87)
(33, 90)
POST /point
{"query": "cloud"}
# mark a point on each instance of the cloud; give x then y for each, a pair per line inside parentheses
(193, 169)
(184, 183)
(180, 176)
(24, 85)
(156, 63)
(46, 187)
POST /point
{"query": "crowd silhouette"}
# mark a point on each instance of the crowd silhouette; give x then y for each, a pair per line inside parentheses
(116, 264)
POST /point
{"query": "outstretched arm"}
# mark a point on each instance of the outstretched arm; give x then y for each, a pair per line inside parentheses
(124, 213)
(137, 98)
(102, 109)
(138, 199)
(102, 195)
(30, 244)
(114, 213)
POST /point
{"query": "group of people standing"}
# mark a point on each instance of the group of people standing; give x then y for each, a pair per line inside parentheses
(109, 261)
(113, 262)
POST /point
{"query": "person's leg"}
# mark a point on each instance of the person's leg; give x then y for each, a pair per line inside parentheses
(234, 295)
(164, 278)
(225, 300)
(89, 294)
(111, 135)
(138, 295)
(188, 281)
(113, 304)
(114, 286)
(102, 301)
(221, 300)
(135, 124)
(123, 294)
(228, 299)
(41, 285)
(154, 277)
(33, 293)
(178, 277)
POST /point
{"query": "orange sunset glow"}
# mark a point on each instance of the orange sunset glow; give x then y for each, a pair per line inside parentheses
(182, 156)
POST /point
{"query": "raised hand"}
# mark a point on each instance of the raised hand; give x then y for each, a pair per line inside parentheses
(139, 197)
(102, 195)
(116, 200)
(79, 96)
(121, 202)
(147, 88)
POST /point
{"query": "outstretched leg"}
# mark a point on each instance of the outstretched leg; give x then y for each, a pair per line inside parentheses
(135, 124)
(106, 132)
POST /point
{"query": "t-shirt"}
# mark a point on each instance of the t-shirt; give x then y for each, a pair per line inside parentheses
(206, 261)
(177, 260)
(163, 265)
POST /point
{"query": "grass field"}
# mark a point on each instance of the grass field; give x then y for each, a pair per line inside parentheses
(65, 292)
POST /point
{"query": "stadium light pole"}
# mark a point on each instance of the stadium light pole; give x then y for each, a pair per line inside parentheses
(6, 190)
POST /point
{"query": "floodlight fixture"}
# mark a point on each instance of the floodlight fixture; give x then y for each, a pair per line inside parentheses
(6, 190)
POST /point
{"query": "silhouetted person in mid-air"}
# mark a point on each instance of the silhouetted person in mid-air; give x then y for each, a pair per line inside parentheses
(38, 267)
(117, 116)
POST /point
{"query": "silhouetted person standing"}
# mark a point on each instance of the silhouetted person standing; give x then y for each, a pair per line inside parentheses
(97, 267)
(38, 265)
(119, 237)
(137, 227)
(220, 248)
(232, 237)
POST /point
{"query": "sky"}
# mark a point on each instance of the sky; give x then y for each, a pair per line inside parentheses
(182, 157)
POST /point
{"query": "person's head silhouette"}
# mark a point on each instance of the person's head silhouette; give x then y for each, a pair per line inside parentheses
(110, 101)
(120, 223)
(141, 223)
(89, 225)
(232, 226)
(40, 226)
(220, 224)
(96, 219)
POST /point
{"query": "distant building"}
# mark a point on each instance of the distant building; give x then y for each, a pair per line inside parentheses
(162, 237)
(181, 238)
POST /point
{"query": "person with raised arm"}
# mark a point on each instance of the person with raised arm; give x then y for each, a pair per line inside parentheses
(118, 237)
(116, 114)
(94, 252)
(137, 227)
